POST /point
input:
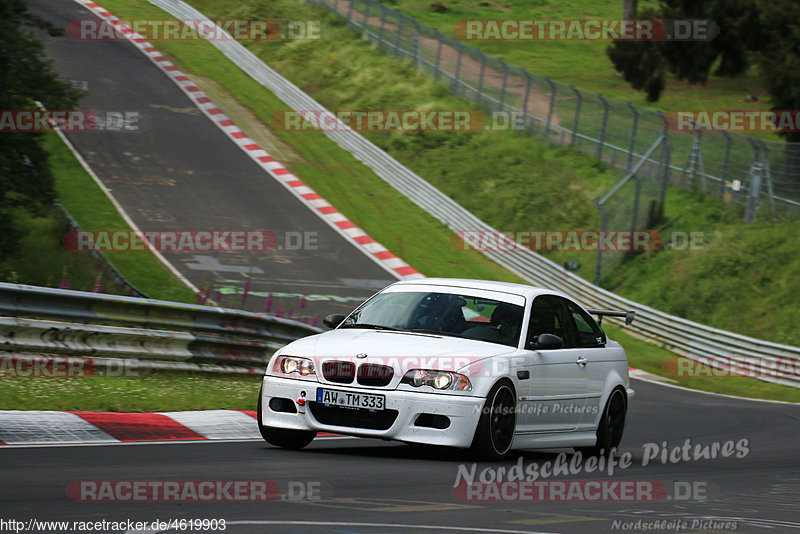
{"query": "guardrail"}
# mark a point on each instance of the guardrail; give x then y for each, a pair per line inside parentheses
(149, 334)
(681, 336)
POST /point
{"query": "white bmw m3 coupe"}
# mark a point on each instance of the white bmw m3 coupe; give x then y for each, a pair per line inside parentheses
(475, 364)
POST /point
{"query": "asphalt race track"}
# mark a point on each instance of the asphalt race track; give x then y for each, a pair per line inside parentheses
(359, 485)
(179, 172)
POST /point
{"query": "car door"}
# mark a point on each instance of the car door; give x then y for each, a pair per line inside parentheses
(552, 398)
(591, 341)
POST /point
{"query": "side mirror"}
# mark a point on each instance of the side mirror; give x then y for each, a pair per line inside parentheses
(547, 342)
(333, 320)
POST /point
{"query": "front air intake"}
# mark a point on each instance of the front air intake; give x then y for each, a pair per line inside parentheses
(371, 374)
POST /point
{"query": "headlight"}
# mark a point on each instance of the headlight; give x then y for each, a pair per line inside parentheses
(437, 379)
(292, 364)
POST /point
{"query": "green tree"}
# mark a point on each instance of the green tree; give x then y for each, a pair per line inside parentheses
(644, 64)
(778, 58)
(25, 77)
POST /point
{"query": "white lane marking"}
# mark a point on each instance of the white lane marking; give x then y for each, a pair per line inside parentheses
(712, 393)
(171, 268)
(382, 525)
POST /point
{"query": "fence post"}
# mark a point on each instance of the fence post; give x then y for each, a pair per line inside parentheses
(726, 159)
(603, 126)
(768, 176)
(577, 114)
(552, 104)
(417, 44)
(637, 179)
(754, 184)
(695, 157)
(665, 157)
(603, 222)
(350, 11)
(753, 192)
(458, 68)
(399, 33)
(632, 144)
(437, 71)
(383, 24)
(503, 89)
(366, 15)
(480, 80)
(529, 82)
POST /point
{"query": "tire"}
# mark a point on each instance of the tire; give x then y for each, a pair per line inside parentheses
(281, 437)
(611, 425)
(495, 433)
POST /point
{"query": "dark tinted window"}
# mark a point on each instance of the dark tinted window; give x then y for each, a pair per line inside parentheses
(548, 316)
(588, 333)
(448, 314)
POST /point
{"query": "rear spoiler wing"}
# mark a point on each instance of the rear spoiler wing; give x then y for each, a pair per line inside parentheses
(629, 316)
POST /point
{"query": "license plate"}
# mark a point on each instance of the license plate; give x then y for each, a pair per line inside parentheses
(347, 399)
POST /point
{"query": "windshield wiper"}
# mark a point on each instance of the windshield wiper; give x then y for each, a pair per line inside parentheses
(369, 326)
(437, 332)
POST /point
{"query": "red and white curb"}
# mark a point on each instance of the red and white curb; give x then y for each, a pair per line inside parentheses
(358, 237)
(23, 428)
(52, 427)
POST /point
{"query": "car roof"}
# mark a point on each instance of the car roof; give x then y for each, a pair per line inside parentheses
(488, 285)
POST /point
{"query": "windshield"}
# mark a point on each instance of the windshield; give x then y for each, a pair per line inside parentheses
(446, 314)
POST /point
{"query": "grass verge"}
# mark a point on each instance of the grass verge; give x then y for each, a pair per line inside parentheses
(159, 391)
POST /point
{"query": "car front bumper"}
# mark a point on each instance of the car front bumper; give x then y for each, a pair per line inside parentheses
(463, 413)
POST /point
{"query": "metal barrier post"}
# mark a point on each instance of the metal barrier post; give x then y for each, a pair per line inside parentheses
(417, 45)
(399, 34)
(366, 15)
(437, 71)
(726, 159)
(479, 92)
(577, 114)
(458, 68)
(601, 141)
(632, 144)
(503, 89)
(383, 24)
(529, 79)
(552, 105)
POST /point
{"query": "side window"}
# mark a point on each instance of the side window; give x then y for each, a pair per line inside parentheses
(588, 333)
(545, 318)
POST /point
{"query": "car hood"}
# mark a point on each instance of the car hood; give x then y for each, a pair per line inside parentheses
(348, 342)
